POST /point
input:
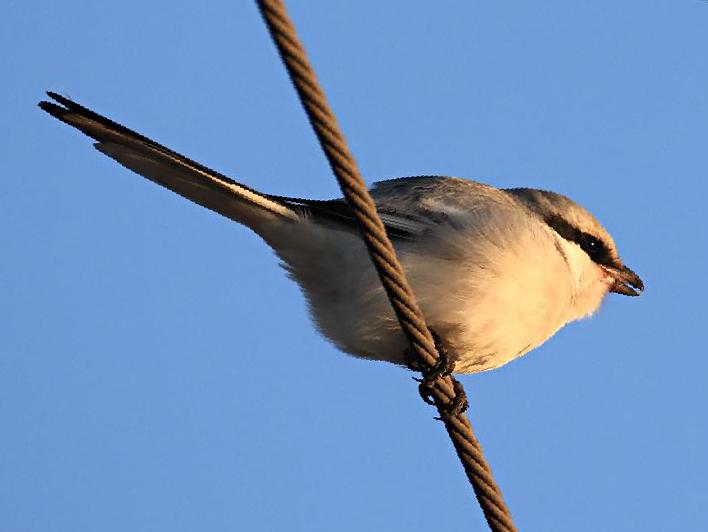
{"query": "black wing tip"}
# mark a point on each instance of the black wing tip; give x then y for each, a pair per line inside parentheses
(80, 117)
(53, 109)
(57, 111)
(65, 109)
(69, 104)
(63, 100)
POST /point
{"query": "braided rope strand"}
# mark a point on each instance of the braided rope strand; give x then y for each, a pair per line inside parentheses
(384, 258)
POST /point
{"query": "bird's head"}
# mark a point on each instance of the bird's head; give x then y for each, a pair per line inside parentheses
(587, 247)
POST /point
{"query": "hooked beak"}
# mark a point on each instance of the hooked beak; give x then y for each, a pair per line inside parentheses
(626, 282)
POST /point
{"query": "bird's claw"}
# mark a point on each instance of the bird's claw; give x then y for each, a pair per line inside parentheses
(443, 367)
(457, 405)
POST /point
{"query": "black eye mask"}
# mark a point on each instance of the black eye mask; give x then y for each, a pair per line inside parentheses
(596, 249)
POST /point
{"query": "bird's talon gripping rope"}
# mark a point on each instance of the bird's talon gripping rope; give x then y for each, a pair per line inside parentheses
(457, 405)
(425, 391)
(442, 368)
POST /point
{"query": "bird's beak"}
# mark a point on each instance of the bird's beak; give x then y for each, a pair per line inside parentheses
(626, 282)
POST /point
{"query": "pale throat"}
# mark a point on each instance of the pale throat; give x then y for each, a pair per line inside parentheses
(590, 283)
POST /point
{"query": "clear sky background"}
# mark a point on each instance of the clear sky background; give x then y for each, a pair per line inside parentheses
(159, 372)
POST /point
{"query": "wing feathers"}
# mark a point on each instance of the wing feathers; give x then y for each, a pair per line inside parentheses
(163, 166)
(397, 200)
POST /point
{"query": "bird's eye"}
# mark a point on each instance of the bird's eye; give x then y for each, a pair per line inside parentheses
(595, 248)
(591, 245)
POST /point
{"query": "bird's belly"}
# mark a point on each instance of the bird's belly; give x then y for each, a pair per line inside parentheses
(486, 317)
(478, 330)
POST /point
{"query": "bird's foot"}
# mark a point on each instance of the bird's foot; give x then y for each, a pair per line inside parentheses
(443, 367)
(457, 405)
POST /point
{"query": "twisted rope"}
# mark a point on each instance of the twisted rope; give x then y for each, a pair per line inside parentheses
(383, 255)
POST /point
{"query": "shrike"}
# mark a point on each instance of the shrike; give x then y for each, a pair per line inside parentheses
(496, 272)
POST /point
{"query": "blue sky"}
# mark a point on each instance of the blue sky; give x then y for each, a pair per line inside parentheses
(159, 372)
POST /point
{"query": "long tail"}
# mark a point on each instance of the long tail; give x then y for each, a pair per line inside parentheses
(168, 168)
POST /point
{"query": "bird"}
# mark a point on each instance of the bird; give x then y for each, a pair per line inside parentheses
(496, 272)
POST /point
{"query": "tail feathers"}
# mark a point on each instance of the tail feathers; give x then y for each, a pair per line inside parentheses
(165, 167)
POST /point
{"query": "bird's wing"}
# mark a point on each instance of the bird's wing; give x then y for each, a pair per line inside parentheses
(163, 166)
(410, 207)
(337, 213)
